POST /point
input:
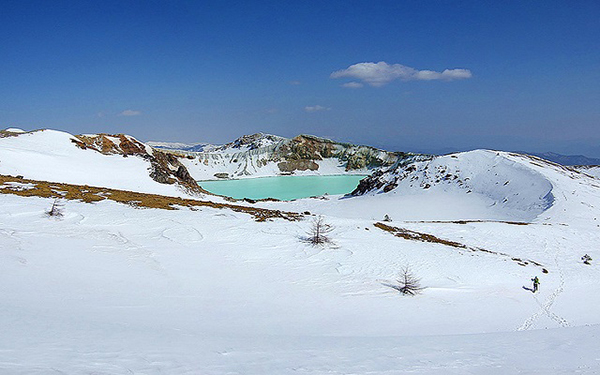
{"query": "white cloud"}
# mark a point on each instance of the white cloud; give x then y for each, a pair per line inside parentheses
(295, 83)
(382, 73)
(353, 85)
(316, 108)
(129, 112)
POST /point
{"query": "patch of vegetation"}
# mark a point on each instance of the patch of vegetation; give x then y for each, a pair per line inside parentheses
(56, 210)
(407, 283)
(319, 232)
(468, 221)
(90, 194)
(426, 237)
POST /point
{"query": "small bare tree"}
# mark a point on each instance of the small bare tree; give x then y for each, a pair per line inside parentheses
(407, 283)
(319, 232)
(56, 210)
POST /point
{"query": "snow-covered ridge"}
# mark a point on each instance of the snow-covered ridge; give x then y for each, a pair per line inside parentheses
(261, 155)
(94, 159)
(509, 181)
(591, 170)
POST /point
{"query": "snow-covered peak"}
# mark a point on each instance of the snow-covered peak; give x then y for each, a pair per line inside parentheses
(14, 130)
(521, 184)
(591, 170)
(251, 142)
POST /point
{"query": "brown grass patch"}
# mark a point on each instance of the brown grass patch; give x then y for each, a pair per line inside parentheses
(90, 194)
(468, 221)
(426, 237)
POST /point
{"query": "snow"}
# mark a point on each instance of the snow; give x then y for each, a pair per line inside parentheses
(593, 170)
(50, 155)
(17, 186)
(111, 289)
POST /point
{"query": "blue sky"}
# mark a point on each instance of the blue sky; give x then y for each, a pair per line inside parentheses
(411, 75)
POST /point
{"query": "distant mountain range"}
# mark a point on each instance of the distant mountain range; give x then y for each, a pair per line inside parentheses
(565, 159)
(568, 160)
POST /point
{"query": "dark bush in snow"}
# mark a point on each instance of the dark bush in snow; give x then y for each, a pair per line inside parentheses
(319, 232)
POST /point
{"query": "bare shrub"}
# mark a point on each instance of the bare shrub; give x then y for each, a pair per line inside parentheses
(319, 232)
(407, 283)
(56, 210)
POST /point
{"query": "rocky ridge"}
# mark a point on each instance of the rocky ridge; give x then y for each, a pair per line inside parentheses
(264, 154)
(166, 168)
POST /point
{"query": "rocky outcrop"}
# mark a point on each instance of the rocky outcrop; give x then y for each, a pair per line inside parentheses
(165, 168)
(300, 151)
(306, 147)
(263, 154)
(297, 165)
(11, 132)
(112, 144)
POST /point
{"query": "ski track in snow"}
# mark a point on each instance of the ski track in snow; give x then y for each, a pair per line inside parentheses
(10, 235)
(545, 307)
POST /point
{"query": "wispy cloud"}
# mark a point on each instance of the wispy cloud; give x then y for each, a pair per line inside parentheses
(130, 112)
(295, 83)
(316, 108)
(382, 73)
(352, 85)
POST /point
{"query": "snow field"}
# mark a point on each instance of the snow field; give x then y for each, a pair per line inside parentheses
(113, 289)
(49, 155)
(110, 289)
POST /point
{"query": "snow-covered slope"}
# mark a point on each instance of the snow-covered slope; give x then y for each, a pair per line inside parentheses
(514, 186)
(592, 170)
(114, 289)
(109, 288)
(51, 155)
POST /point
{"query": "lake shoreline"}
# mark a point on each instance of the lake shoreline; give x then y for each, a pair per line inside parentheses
(283, 187)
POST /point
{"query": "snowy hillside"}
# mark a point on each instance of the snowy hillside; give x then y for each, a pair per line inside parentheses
(112, 288)
(592, 170)
(482, 184)
(51, 155)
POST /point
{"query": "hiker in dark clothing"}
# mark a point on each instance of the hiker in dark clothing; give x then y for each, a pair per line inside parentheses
(586, 259)
(536, 284)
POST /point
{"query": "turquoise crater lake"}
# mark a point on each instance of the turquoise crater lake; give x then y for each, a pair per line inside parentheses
(283, 187)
